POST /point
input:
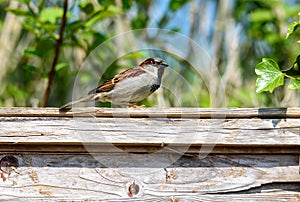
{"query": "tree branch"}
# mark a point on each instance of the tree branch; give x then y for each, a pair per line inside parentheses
(59, 42)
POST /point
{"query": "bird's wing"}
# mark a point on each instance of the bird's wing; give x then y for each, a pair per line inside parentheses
(110, 84)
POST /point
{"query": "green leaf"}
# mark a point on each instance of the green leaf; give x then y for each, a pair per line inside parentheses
(293, 71)
(294, 84)
(61, 66)
(296, 65)
(51, 14)
(32, 25)
(101, 14)
(16, 92)
(45, 46)
(261, 15)
(41, 5)
(98, 38)
(19, 12)
(25, 1)
(291, 29)
(31, 68)
(269, 75)
(174, 5)
(86, 7)
(134, 55)
(31, 52)
(140, 21)
(127, 4)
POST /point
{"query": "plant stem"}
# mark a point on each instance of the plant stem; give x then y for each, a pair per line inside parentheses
(59, 42)
(292, 77)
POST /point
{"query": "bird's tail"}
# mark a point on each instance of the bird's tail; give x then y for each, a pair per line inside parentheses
(87, 98)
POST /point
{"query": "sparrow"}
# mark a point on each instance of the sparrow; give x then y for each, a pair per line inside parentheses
(129, 86)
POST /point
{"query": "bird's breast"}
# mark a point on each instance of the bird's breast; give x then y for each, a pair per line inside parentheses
(134, 89)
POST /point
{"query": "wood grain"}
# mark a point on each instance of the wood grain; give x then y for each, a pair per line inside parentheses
(108, 176)
(151, 131)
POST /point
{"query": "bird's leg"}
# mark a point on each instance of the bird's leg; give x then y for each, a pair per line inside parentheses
(132, 105)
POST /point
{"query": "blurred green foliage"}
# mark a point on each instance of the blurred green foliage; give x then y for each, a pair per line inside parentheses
(90, 23)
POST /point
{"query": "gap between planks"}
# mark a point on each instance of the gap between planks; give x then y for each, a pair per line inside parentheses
(193, 150)
(217, 113)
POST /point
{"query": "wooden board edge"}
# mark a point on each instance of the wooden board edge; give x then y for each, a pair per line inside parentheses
(214, 113)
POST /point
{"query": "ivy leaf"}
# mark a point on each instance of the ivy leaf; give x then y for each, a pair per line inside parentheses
(269, 75)
(294, 84)
(291, 28)
(294, 70)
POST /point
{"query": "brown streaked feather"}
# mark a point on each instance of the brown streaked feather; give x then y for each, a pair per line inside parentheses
(110, 84)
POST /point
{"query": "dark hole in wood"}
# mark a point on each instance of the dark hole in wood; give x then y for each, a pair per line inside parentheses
(7, 163)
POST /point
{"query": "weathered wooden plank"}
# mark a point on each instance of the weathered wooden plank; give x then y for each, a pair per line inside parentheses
(157, 112)
(154, 131)
(83, 154)
(277, 196)
(107, 176)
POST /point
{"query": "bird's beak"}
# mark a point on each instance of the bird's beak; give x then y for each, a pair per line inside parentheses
(164, 64)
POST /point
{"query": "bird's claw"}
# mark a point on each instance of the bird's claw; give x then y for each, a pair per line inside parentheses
(136, 106)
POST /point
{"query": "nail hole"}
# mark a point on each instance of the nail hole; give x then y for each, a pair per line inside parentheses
(133, 189)
(7, 163)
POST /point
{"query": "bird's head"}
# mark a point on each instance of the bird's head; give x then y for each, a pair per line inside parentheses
(156, 62)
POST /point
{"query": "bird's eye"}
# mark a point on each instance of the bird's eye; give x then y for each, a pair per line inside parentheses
(152, 62)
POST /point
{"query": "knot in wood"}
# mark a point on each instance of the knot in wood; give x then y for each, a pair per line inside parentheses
(133, 189)
(7, 163)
